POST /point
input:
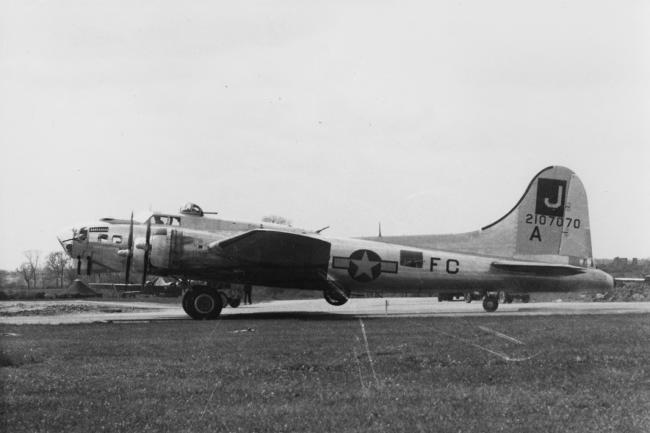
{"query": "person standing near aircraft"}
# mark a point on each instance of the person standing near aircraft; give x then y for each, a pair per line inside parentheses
(248, 291)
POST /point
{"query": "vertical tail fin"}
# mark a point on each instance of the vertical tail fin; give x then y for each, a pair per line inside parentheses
(550, 223)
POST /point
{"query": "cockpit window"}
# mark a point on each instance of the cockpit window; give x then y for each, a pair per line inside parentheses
(102, 237)
(117, 239)
(167, 220)
(83, 234)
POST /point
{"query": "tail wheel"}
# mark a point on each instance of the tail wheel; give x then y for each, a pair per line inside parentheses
(201, 303)
(490, 303)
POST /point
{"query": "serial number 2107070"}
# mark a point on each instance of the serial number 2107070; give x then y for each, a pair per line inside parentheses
(552, 220)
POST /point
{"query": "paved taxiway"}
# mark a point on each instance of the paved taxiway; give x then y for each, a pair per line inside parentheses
(396, 307)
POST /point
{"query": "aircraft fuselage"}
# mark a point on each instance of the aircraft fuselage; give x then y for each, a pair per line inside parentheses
(542, 244)
(356, 264)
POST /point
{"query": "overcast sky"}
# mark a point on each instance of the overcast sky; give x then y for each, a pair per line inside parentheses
(430, 116)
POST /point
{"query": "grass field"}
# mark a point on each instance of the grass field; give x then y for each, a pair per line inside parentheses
(324, 373)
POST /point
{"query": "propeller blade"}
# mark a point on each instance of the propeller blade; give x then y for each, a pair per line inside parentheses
(147, 249)
(130, 255)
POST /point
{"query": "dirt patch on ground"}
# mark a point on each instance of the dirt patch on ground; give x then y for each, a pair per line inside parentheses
(625, 292)
(57, 308)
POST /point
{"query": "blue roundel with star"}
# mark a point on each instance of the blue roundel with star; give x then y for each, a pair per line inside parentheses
(365, 265)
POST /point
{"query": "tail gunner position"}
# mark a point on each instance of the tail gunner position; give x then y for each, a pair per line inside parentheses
(542, 244)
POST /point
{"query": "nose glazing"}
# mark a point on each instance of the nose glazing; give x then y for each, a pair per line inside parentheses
(66, 238)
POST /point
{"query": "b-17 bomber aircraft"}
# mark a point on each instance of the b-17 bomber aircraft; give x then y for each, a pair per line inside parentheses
(542, 244)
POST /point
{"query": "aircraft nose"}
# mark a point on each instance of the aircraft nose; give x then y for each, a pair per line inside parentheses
(66, 238)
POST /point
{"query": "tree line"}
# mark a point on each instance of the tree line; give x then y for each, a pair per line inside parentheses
(55, 269)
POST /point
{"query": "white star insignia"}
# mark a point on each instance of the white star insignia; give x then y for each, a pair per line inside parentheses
(364, 266)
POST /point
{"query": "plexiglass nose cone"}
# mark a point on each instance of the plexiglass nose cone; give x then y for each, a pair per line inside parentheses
(66, 237)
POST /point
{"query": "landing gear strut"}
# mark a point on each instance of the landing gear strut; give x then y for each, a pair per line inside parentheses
(202, 303)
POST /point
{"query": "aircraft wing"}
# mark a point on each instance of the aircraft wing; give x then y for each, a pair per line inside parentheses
(273, 256)
(537, 268)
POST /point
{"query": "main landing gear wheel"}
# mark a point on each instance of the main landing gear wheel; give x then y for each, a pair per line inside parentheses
(201, 303)
(490, 303)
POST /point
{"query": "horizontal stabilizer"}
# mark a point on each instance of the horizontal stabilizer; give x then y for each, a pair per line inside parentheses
(538, 268)
(632, 280)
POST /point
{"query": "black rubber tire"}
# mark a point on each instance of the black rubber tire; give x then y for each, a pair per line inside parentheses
(234, 302)
(202, 303)
(509, 299)
(490, 304)
(188, 299)
(334, 300)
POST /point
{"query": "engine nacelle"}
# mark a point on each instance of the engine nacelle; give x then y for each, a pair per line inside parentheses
(166, 249)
